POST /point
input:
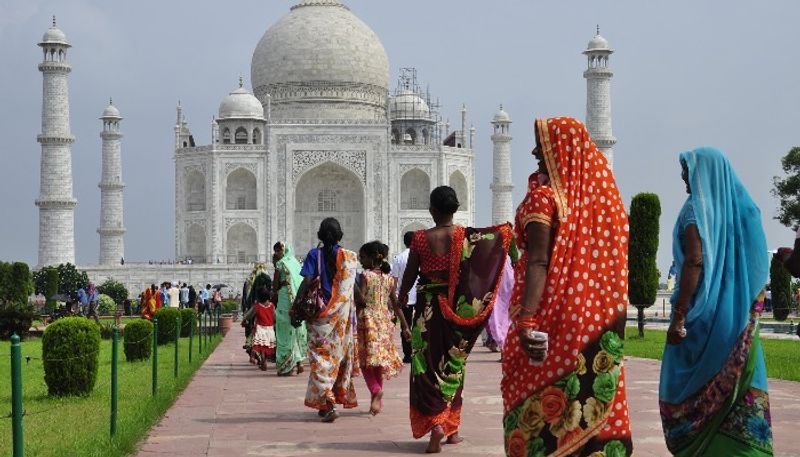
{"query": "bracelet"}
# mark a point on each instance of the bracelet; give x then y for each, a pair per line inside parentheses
(528, 322)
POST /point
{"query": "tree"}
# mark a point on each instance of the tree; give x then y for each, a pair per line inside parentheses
(642, 270)
(787, 189)
(780, 282)
(20, 283)
(114, 289)
(71, 279)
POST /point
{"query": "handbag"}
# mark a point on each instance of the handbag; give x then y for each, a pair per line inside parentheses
(308, 306)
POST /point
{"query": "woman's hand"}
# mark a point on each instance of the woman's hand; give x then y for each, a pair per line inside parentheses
(402, 300)
(406, 334)
(677, 330)
(534, 344)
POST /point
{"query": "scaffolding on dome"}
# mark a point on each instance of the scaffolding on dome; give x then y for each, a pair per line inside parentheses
(415, 116)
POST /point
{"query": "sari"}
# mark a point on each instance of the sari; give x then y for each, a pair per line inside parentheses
(455, 296)
(151, 303)
(498, 322)
(713, 391)
(574, 402)
(331, 345)
(292, 342)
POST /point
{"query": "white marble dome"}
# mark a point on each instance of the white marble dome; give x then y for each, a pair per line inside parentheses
(501, 116)
(408, 104)
(54, 35)
(111, 111)
(598, 43)
(240, 104)
(321, 54)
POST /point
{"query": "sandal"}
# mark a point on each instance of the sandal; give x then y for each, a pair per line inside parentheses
(330, 416)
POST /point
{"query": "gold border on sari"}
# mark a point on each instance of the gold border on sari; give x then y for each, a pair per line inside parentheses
(552, 169)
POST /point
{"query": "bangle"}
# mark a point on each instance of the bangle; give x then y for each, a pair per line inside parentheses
(528, 322)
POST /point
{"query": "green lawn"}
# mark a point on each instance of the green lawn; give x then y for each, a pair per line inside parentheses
(80, 426)
(783, 356)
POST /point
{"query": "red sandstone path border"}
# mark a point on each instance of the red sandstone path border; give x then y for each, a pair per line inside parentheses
(232, 409)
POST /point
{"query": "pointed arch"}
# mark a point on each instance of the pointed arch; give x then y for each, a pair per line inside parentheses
(241, 244)
(241, 189)
(241, 136)
(196, 243)
(415, 189)
(195, 191)
(459, 183)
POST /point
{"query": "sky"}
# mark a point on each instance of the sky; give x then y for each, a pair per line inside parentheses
(686, 74)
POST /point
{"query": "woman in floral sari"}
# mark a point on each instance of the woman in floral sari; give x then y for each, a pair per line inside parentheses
(713, 389)
(563, 377)
(331, 345)
(292, 342)
(459, 273)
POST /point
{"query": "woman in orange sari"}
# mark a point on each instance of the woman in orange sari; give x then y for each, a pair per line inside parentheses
(151, 302)
(563, 377)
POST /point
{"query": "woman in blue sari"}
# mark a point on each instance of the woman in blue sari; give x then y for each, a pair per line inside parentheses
(713, 390)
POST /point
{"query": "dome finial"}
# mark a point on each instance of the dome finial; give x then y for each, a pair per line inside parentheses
(110, 101)
(598, 29)
(54, 20)
(501, 107)
(241, 80)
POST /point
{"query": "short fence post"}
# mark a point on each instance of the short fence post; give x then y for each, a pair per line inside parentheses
(200, 333)
(114, 387)
(219, 313)
(155, 356)
(16, 396)
(177, 339)
(191, 333)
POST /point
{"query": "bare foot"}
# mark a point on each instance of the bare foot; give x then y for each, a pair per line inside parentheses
(454, 439)
(376, 404)
(330, 416)
(435, 445)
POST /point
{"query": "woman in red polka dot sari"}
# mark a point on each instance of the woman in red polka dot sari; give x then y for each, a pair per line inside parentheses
(563, 377)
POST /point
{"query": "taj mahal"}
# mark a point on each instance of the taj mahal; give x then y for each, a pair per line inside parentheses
(322, 133)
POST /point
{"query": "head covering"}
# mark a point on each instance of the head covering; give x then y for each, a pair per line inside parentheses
(586, 290)
(735, 269)
(291, 268)
(258, 269)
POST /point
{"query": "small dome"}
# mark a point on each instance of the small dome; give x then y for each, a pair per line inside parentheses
(408, 104)
(501, 116)
(240, 104)
(54, 35)
(598, 43)
(111, 111)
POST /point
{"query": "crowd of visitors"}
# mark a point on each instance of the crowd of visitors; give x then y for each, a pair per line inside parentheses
(549, 293)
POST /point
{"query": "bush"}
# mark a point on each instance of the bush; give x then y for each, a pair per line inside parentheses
(16, 318)
(187, 315)
(114, 289)
(167, 324)
(70, 350)
(780, 282)
(106, 305)
(50, 275)
(70, 279)
(16, 282)
(138, 340)
(642, 269)
(230, 306)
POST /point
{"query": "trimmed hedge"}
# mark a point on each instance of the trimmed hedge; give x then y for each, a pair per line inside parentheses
(167, 324)
(642, 270)
(780, 282)
(70, 351)
(187, 315)
(230, 306)
(106, 305)
(138, 340)
(16, 318)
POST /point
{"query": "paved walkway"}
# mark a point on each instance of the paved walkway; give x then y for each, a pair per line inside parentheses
(233, 409)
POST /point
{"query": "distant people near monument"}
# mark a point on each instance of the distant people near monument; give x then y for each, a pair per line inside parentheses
(713, 390)
(331, 345)
(93, 296)
(83, 302)
(671, 277)
(151, 302)
(447, 327)
(184, 294)
(398, 270)
(205, 297)
(377, 305)
(216, 298)
(563, 374)
(174, 295)
(192, 297)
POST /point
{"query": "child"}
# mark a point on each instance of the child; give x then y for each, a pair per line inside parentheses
(263, 312)
(377, 353)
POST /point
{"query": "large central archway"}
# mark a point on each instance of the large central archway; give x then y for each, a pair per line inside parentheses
(328, 190)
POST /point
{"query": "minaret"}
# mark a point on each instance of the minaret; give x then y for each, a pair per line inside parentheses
(56, 202)
(111, 230)
(598, 95)
(502, 201)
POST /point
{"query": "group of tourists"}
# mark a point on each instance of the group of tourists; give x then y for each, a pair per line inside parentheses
(178, 295)
(551, 294)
